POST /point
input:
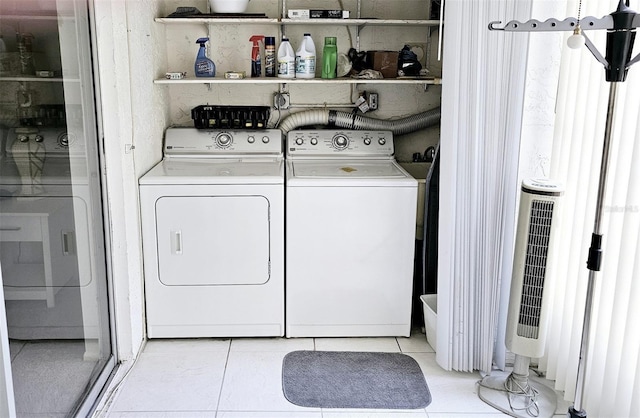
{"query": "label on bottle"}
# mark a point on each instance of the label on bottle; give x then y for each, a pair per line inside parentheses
(306, 65)
(286, 67)
(203, 68)
(270, 61)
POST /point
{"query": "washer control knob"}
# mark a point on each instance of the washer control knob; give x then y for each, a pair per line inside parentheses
(251, 139)
(223, 140)
(299, 141)
(265, 139)
(367, 141)
(64, 140)
(382, 141)
(314, 141)
(39, 138)
(340, 142)
(23, 138)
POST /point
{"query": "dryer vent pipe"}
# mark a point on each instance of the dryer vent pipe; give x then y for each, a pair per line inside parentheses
(353, 121)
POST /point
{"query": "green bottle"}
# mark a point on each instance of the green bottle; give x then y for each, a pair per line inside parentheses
(329, 56)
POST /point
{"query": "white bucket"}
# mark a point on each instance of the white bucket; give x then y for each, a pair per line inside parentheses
(430, 308)
(228, 6)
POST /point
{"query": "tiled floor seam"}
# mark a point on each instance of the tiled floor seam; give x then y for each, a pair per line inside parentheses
(224, 373)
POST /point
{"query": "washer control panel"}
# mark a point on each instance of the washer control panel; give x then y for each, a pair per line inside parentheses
(57, 141)
(204, 142)
(334, 143)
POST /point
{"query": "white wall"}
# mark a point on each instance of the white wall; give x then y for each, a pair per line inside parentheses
(133, 119)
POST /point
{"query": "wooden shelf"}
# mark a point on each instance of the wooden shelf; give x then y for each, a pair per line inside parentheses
(219, 20)
(271, 21)
(276, 80)
(361, 22)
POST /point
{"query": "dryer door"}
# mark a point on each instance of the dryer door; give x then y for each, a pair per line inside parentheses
(213, 240)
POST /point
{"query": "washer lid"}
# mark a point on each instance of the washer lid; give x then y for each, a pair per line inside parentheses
(211, 171)
(346, 169)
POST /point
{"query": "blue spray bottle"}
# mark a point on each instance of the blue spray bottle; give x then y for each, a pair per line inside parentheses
(204, 67)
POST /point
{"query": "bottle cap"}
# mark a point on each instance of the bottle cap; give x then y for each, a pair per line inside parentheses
(330, 40)
(270, 40)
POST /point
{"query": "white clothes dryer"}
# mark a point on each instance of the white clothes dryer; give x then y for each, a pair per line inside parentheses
(213, 235)
(350, 238)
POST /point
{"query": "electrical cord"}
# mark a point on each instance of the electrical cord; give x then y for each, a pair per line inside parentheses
(514, 388)
(277, 123)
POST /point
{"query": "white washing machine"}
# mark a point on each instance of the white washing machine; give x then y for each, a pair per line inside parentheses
(350, 237)
(213, 235)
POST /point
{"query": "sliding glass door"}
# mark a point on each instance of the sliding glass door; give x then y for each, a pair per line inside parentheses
(52, 246)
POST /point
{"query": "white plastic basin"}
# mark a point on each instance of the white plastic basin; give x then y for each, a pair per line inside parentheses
(430, 307)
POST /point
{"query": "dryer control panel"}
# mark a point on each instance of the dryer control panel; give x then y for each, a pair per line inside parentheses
(336, 143)
(204, 143)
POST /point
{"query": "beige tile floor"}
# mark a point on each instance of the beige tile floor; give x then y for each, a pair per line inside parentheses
(241, 378)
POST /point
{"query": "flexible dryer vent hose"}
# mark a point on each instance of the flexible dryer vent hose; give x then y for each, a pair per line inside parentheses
(353, 121)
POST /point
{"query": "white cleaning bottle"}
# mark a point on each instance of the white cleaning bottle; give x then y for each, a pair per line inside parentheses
(306, 58)
(286, 60)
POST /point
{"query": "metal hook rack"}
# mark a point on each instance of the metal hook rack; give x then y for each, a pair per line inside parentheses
(553, 25)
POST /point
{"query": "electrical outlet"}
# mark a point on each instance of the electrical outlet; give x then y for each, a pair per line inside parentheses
(373, 101)
(281, 101)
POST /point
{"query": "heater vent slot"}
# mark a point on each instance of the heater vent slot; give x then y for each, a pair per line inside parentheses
(535, 268)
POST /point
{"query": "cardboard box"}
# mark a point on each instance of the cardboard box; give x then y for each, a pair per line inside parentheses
(317, 14)
(329, 14)
(298, 13)
(384, 61)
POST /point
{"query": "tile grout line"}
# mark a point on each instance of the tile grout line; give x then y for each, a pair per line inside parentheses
(24, 344)
(399, 346)
(224, 374)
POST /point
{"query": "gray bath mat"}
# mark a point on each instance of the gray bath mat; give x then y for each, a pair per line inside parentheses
(340, 379)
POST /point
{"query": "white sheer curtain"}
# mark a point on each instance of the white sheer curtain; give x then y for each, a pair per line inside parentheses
(613, 368)
(483, 88)
(481, 107)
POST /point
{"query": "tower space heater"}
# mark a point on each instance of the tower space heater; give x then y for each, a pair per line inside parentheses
(515, 393)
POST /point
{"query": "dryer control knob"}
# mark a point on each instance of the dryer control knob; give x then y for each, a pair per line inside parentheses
(265, 139)
(382, 141)
(340, 142)
(223, 140)
(314, 141)
(23, 138)
(39, 138)
(299, 141)
(251, 139)
(367, 141)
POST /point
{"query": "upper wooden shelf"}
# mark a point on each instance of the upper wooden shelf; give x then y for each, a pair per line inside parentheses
(276, 80)
(271, 21)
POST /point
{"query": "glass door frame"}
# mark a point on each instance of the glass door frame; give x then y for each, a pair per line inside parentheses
(90, 97)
